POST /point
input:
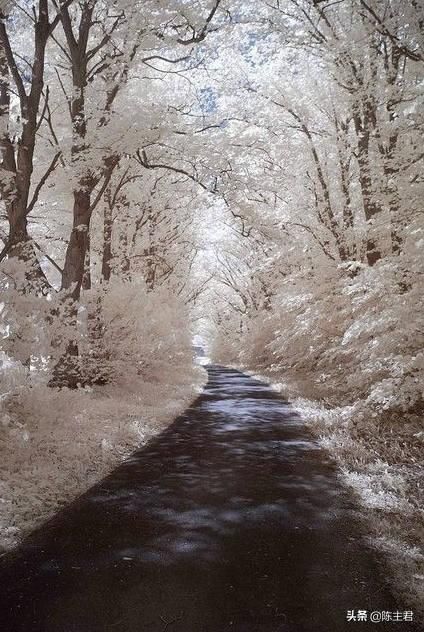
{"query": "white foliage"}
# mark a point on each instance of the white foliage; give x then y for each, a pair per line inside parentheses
(57, 442)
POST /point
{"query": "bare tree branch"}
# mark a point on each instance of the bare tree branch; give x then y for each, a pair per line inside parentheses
(42, 182)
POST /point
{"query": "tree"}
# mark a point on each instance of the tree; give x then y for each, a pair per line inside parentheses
(18, 153)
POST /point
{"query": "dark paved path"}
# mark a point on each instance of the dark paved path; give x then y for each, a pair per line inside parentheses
(231, 520)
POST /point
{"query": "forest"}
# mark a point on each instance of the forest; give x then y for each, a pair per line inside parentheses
(245, 172)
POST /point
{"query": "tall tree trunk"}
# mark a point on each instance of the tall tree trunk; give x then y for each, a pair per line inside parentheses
(86, 279)
(344, 156)
(363, 122)
(17, 159)
(73, 269)
(125, 262)
(107, 242)
(67, 370)
(323, 203)
(388, 151)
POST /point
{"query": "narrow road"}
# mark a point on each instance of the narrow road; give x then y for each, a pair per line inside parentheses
(232, 520)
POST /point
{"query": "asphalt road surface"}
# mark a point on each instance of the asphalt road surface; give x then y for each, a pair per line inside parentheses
(232, 520)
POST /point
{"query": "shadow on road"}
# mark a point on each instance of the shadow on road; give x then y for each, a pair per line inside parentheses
(232, 520)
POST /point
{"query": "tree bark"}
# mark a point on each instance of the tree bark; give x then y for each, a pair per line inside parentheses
(107, 242)
(365, 121)
(73, 269)
(18, 160)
